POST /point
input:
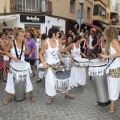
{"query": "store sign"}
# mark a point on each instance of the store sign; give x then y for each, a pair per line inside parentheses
(33, 19)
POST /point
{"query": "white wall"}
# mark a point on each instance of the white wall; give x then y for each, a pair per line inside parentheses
(51, 21)
(14, 23)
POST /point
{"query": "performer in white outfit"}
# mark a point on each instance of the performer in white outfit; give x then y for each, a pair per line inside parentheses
(113, 51)
(78, 75)
(51, 48)
(10, 82)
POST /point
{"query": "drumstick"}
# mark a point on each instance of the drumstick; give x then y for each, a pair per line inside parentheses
(75, 60)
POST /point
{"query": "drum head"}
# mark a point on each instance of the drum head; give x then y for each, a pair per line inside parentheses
(64, 55)
(62, 75)
(40, 65)
(79, 59)
(97, 63)
(20, 66)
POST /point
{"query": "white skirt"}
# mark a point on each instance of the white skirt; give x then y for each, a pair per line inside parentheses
(50, 83)
(113, 88)
(10, 86)
(77, 76)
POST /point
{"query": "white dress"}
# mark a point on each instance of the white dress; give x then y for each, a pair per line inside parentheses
(78, 75)
(51, 58)
(114, 83)
(10, 82)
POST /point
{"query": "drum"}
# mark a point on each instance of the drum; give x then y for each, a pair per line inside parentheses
(20, 70)
(81, 62)
(5, 58)
(42, 72)
(67, 60)
(62, 81)
(97, 67)
(99, 77)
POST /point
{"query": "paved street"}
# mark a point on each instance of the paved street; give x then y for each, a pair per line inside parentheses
(62, 109)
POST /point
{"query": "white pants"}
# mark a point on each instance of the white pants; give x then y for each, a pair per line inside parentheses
(77, 76)
(113, 88)
(50, 83)
(10, 84)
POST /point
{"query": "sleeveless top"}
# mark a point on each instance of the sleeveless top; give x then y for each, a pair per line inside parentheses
(12, 52)
(90, 42)
(76, 51)
(116, 62)
(52, 53)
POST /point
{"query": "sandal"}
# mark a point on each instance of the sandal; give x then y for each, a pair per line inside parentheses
(7, 101)
(112, 111)
(50, 100)
(70, 96)
(32, 98)
(95, 103)
(38, 80)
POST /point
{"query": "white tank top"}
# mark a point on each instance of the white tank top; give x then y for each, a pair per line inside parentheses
(52, 53)
(12, 52)
(116, 62)
(76, 51)
(90, 42)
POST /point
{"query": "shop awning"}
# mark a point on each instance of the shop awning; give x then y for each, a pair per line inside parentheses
(91, 25)
(7, 18)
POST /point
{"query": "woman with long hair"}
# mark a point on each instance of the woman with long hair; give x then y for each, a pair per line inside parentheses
(112, 50)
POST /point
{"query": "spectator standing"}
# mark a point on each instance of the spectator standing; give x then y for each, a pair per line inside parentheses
(31, 58)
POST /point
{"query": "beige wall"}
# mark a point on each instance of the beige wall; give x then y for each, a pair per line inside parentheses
(62, 9)
(88, 3)
(4, 3)
(99, 18)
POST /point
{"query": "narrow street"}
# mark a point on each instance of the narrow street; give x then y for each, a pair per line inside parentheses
(62, 109)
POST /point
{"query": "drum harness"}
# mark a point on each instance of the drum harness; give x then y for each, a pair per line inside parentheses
(18, 56)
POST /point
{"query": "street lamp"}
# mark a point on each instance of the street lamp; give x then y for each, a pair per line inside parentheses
(81, 2)
(103, 15)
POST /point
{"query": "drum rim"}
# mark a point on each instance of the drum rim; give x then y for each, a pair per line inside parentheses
(98, 66)
(20, 70)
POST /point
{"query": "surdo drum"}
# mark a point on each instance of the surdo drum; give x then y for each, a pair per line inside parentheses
(99, 77)
(62, 81)
(20, 70)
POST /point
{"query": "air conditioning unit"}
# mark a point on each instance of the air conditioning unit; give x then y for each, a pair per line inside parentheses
(43, 6)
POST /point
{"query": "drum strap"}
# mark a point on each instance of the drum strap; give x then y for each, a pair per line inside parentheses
(18, 56)
(110, 64)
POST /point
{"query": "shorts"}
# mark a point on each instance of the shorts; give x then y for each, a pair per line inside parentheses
(32, 62)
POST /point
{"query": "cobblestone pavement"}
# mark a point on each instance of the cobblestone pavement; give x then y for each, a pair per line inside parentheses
(62, 109)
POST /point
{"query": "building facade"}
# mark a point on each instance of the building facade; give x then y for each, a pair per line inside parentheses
(56, 13)
(101, 15)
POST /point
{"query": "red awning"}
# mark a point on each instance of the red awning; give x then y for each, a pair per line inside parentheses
(98, 28)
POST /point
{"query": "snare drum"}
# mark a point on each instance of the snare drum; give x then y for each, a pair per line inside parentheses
(97, 67)
(20, 70)
(42, 72)
(67, 60)
(62, 81)
(81, 62)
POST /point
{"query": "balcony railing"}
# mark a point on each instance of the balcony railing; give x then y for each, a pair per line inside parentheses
(33, 6)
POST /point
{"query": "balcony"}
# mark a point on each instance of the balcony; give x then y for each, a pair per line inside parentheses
(114, 16)
(31, 6)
